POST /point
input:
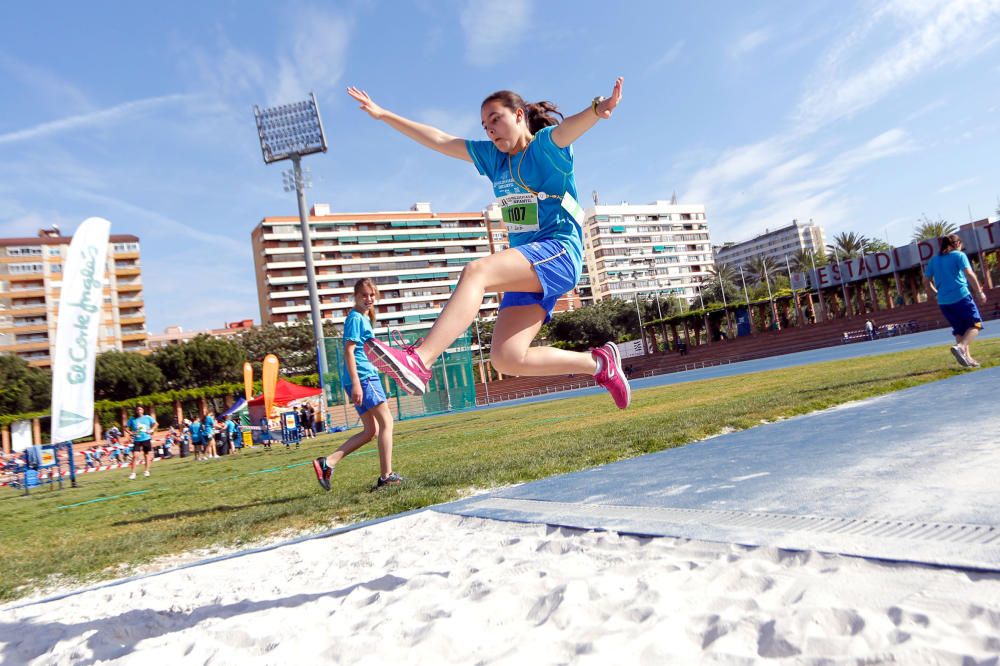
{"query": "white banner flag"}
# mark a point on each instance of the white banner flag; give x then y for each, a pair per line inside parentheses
(81, 308)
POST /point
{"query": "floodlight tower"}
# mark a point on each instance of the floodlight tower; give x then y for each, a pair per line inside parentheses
(288, 132)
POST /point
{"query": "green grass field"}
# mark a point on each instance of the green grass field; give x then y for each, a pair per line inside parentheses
(236, 500)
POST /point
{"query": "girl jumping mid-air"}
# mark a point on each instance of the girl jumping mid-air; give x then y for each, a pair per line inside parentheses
(529, 160)
(362, 384)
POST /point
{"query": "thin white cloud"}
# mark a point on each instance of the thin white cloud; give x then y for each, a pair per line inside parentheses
(958, 185)
(317, 56)
(672, 55)
(750, 42)
(163, 223)
(790, 175)
(95, 118)
(310, 56)
(464, 125)
(803, 186)
(945, 32)
(493, 30)
(58, 92)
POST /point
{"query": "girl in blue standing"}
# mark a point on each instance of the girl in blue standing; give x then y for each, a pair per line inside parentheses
(529, 159)
(361, 382)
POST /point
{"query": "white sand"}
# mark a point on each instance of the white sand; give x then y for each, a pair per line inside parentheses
(439, 589)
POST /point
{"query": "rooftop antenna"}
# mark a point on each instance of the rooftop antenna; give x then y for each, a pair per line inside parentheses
(673, 198)
(597, 199)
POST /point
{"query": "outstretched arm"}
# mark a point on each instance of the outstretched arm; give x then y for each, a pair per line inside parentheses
(425, 135)
(573, 127)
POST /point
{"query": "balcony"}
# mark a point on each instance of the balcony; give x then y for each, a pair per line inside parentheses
(135, 337)
(138, 318)
(132, 254)
(129, 286)
(127, 270)
(36, 345)
(34, 276)
(130, 304)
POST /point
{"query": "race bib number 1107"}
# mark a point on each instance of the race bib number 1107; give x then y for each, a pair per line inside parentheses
(520, 212)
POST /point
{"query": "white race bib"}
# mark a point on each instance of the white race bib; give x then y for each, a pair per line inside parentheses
(520, 212)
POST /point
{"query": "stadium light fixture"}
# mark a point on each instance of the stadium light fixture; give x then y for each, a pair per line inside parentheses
(289, 132)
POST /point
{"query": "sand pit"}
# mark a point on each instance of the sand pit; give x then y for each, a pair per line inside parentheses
(431, 588)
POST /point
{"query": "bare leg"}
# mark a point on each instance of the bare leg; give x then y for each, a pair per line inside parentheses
(383, 418)
(966, 340)
(357, 440)
(505, 271)
(513, 354)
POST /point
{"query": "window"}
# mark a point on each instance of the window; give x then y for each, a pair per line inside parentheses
(15, 269)
(24, 251)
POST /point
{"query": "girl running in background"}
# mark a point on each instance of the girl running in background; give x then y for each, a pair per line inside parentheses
(362, 384)
(948, 275)
(529, 160)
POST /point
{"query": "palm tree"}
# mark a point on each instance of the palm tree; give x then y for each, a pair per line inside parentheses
(760, 268)
(801, 260)
(847, 245)
(931, 229)
(726, 272)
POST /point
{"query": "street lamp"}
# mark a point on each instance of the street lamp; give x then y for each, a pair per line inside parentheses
(288, 132)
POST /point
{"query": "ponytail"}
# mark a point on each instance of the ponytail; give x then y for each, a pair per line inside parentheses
(950, 242)
(537, 115)
(367, 282)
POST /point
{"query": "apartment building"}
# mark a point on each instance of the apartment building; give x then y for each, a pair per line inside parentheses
(658, 248)
(776, 244)
(176, 335)
(30, 282)
(415, 257)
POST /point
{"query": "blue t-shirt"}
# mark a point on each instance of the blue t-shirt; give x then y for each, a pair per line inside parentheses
(195, 429)
(143, 427)
(544, 167)
(357, 329)
(948, 272)
(231, 427)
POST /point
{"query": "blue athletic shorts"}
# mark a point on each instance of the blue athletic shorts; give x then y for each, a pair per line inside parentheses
(555, 269)
(373, 394)
(962, 315)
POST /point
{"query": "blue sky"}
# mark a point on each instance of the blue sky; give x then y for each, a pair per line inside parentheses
(860, 115)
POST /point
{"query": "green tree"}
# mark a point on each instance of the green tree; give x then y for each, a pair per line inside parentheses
(203, 361)
(929, 229)
(23, 388)
(123, 375)
(721, 278)
(876, 245)
(847, 245)
(292, 344)
(611, 319)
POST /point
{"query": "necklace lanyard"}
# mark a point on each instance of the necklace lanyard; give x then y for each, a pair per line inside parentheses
(542, 196)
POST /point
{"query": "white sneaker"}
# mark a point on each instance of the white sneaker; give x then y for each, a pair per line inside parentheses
(146, 473)
(132, 475)
(959, 355)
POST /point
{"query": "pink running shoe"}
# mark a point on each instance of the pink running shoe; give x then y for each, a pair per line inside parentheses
(610, 375)
(403, 365)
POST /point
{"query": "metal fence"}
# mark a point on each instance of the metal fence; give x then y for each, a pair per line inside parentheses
(452, 384)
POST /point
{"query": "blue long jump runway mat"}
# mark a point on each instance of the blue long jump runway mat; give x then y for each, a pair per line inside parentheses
(912, 476)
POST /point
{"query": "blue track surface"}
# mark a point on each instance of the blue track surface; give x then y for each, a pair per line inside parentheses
(910, 476)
